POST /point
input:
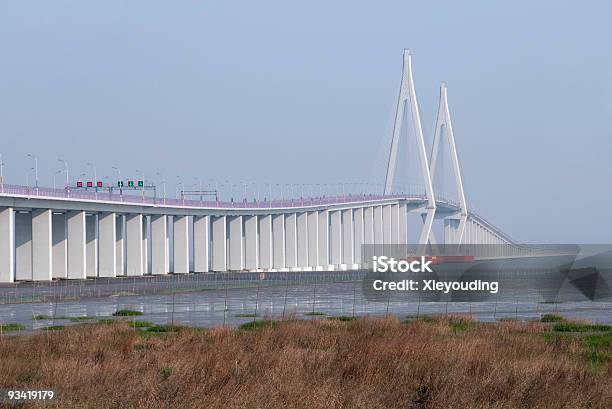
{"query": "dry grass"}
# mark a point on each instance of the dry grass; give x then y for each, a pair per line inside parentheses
(367, 363)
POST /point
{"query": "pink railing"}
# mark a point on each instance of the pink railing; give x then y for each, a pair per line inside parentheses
(44, 192)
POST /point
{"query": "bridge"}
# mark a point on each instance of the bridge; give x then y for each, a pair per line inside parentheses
(48, 234)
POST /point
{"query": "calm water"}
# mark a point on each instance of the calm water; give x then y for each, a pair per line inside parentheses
(218, 306)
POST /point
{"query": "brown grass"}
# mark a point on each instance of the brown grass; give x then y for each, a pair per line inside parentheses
(367, 363)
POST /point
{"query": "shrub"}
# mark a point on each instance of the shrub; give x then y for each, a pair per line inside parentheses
(126, 313)
(551, 318)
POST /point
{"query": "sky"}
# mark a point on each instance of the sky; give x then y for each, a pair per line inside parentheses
(303, 92)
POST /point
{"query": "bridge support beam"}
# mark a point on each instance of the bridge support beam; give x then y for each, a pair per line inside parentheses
(42, 245)
(302, 241)
(91, 228)
(107, 225)
(7, 245)
(236, 254)
(201, 243)
(181, 244)
(368, 225)
(348, 243)
(266, 256)
(120, 244)
(291, 242)
(23, 246)
(251, 243)
(403, 223)
(77, 250)
(219, 243)
(278, 233)
(160, 249)
(358, 235)
(135, 245)
(335, 241)
(60, 246)
(313, 239)
(323, 240)
(378, 225)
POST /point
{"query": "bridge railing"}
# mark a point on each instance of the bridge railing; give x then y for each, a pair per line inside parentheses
(104, 196)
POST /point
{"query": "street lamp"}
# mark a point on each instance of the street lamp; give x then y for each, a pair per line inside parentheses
(29, 155)
(163, 180)
(54, 174)
(95, 182)
(65, 170)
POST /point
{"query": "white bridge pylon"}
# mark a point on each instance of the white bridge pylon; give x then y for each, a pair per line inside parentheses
(407, 95)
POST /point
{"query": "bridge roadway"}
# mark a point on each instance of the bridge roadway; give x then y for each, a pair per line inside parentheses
(55, 233)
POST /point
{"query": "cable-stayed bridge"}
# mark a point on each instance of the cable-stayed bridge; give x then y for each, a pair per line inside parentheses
(71, 234)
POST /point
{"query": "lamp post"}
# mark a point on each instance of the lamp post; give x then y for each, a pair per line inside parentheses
(95, 181)
(55, 174)
(29, 155)
(163, 180)
(65, 170)
(118, 179)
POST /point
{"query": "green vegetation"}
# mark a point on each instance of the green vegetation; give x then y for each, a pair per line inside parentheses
(142, 324)
(575, 327)
(165, 372)
(54, 328)
(343, 318)
(80, 319)
(164, 328)
(12, 327)
(126, 313)
(314, 313)
(41, 317)
(551, 318)
(246, 315)
(258, 325)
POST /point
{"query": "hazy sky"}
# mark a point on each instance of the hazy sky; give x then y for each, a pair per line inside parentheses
(303, 92)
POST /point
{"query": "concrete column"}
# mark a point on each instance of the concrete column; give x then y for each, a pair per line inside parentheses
(368, 225)
(219, 243)
(236, 253)
(302, 240)
(42, 245)
(145, 244)
(201, 243)
(378, 225)
(348, 243)
(135, 245)
(323, 240)
(160, 257)
(107, 242)
(387, 239)
(313, 239)
(23, 246)
(335, 240)
(358, 235)
(451, 231)
(120, 244)
(7, 245)
(91, 226)
(395, 224)
(291, 241)
(403, 223)
(251, 243)
(278, 233)
(181, 245)
(265, 242)
(60, 246)
(77, 250)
